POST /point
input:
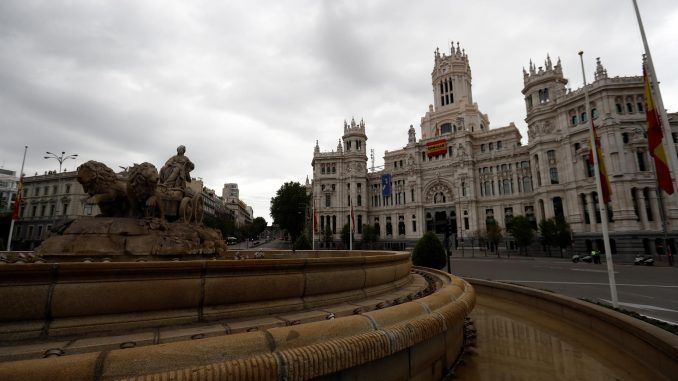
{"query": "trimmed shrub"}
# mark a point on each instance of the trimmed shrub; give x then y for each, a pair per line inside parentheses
(302, 243)
(429, 252)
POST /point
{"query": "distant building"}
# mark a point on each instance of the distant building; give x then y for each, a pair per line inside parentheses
(210, 201)
(47, 200)
(8, 185)
(230, 192)
(466, 174)
(241, 212)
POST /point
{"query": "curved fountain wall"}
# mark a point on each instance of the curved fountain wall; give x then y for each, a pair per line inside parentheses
(420, 335)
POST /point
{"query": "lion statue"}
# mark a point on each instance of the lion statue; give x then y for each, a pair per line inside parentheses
(142, 191)
(104, 189)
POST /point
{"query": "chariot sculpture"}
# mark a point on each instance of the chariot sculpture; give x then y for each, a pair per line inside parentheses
(142, 191)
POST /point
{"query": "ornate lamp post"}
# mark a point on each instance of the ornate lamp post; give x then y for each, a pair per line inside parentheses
(60, 158)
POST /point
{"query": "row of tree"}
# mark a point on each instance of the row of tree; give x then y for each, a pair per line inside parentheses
(553, 232)
(290, 211)
(228, 227)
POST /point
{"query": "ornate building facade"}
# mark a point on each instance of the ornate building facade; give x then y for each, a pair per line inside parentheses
(463, 173)
(48, 200)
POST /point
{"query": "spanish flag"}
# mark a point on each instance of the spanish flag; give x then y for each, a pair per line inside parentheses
(17, 200)
(654, 139)
(604, 181)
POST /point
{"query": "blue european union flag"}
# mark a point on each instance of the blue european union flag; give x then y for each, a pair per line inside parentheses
(386, 185)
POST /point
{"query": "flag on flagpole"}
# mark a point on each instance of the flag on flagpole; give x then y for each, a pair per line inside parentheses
(315, 220)
(604, 180)
(654, 139)
(17, 199)
(352, 220)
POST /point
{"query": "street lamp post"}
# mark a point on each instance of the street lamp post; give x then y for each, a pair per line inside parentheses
(60, 158)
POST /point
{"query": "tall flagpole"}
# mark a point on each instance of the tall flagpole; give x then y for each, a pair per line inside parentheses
(602, 206)
(11, 224)
(313, 229)
(666, 127)
(350, 227)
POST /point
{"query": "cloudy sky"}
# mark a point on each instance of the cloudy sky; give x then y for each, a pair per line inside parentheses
(249, 86)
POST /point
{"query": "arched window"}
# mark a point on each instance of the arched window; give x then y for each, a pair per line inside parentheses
(506, 186)
(639, 104)
(594, 113)
(445, 128)
(629, 107)
(574, 120)
(558, 207)
(583, 117)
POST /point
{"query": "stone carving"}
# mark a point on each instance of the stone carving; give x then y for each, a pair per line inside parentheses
(461, 152)
(142, 188)
(176, 171)
(104, 188)
(144, 213)
(116, 197)
(438, 193)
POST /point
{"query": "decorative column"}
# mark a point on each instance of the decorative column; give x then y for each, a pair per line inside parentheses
(592, 211)
(654, 206)
(641, 209)
(622, 206)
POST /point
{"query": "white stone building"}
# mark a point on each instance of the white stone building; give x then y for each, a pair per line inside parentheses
(8, 185)
(47, 200)
(467, 173)
(242, 213)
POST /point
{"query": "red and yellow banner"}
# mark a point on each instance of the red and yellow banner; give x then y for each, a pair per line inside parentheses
(604, 181)
(17, 200)
(654, 140)
(435, 148)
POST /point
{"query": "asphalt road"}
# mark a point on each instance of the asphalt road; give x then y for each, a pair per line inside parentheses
(649, 290)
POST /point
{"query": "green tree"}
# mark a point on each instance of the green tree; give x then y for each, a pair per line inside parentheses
(429, 252)
(219, 222)
(259, 224)
(302, 243)
(345, 236)
(563, 236)
(288, 208)
(549, 233)
(328, 237)
(522, 232)
(369, 236)
(494, 235)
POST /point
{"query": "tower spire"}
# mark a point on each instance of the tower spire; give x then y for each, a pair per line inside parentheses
(601, 72)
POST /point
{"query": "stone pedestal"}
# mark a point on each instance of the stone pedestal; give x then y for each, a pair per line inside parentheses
(122, 239)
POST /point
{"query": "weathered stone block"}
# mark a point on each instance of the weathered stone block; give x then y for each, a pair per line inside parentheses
(98, 245)
(89, 225)
(141, 245)
(128, 226)
(23, 302)
(424, 355)
(259, 286)
(97, 298)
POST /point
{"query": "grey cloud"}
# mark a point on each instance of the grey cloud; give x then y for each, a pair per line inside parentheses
(249, 86)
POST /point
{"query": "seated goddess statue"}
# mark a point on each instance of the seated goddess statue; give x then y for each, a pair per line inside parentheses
(176, 171)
